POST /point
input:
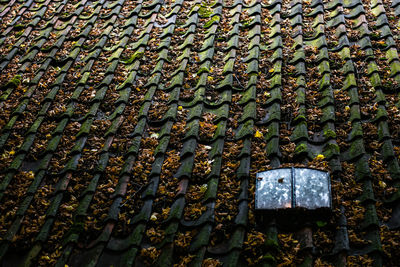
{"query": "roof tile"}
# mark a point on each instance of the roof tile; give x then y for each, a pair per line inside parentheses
(128, 131)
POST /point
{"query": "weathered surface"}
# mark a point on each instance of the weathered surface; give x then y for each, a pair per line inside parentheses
(131, 132)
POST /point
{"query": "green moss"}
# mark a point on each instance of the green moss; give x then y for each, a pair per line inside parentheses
(203, 69)
(301, 148)
(19, 27)
(193, 9)
(46, 48)
(212, 186)
(253, 74)
(18, 34)
(246, 23)
(329, 134)
(333, 147)
(205, 11)
(135, 56)
(209, 23)
(382, 45)
(388, 86)
(268, 258)
(331, 150)
(355, 148)
(86, 47)
(374, 36)
(300, 118)
(14, 82)
(299, 132)
(335, 43)
(381, 113)
(300, 94)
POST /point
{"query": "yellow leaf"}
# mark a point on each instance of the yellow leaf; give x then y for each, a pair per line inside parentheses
(203, 188)
(12, 152)
(69, 208)
(180, 108)
(347, 108)
(320, 157)
(153, 217)
(271, 70)
(210, 78)
(258, 134)
(382, 184)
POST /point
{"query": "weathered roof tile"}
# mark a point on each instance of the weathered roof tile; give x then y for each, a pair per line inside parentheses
(132, 131)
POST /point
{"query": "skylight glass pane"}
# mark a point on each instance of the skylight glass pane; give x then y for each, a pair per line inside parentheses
(311, 188)
(274, 189)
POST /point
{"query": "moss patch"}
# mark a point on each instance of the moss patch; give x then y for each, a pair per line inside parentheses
(331, 150)
(18, 34)
(19, 27)
(205, 11)
(300, 118)
(13, 83)
(135, 56)
(329, 134)
(246, 23)
(203, 69)
(301, 148)
(209, 23)
(268, 258)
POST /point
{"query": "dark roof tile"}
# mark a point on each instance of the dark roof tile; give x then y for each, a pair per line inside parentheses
(145, 123)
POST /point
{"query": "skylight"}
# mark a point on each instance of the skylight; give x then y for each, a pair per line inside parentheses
(289, 188)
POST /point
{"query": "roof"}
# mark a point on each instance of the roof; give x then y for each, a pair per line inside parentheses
(131, 132)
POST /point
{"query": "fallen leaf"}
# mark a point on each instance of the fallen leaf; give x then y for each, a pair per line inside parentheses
(258, 134)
